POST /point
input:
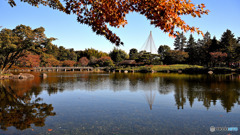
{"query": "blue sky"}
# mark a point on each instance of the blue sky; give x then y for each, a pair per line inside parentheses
(71, 34)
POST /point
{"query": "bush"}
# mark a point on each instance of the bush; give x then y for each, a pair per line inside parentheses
(144, 69)
(105, 61)
(83, 61)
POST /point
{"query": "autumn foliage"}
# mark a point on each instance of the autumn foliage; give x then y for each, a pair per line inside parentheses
(104, 61)
(29, 60)
(163, 14)
(83, 61)
(48, 60)
(68, 63)
(218, 57)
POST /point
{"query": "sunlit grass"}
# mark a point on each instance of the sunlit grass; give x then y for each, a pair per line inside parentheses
(161, 67)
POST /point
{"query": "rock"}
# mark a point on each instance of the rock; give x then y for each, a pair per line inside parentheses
(180, 71)
(125, 71)
(43, 75)
(15, 76)
(210, 72)
(23, 77)
(26, 75)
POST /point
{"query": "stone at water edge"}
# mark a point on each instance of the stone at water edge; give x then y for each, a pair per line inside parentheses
(15, 76)
(26, 75)
(43, 75)
(210, 72)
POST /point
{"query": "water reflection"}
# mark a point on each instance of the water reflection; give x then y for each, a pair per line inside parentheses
(20, 105)
(207, 89)
(150, 96)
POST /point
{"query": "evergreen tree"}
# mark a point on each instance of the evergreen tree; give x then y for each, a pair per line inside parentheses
(214, 47)
(177, 43)
(207, 37)
(204, 50)
(133, 54)
(63, 54)
(228, 45)
(191, 43)
(191, 49)
(182, 42)
(228, 42)
(72, 55)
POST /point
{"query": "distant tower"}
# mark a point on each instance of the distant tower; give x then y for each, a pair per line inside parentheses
(149, 45)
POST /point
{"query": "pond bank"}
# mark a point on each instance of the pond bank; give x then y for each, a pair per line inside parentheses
(19, 76)
(177, 70)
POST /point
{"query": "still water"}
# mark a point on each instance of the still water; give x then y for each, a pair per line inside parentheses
(133, 103)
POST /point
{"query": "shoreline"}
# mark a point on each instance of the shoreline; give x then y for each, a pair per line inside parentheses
(216, 70)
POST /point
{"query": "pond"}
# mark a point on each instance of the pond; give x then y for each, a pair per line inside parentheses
(118, 103)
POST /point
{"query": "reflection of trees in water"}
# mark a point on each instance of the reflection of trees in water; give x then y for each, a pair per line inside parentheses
(165, 86)
(180, 95)
(19, 108)
(71, 81)
(205, 88)
(208, 89)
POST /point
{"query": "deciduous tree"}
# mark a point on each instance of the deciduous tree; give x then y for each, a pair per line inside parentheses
(105, 61)
(48, 60)
(29, 60)
(83, 61)
(14, 44)
(68, 63)
(118, 55)
(163, 14)
(176, 57)
(163, 50)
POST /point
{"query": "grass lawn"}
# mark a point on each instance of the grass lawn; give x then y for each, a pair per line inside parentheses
(161, 67)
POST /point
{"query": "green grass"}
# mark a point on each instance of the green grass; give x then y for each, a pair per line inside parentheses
(160, 68)
(174, 67)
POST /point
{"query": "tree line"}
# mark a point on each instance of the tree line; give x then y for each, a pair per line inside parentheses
(209, 52)
(27, 47)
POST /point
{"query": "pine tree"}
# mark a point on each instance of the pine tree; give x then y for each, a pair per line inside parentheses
(207, 37)
(192, 50)
(228, 45)
(177, 42)
(214, 47)
(182, 41)
(191, 42)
